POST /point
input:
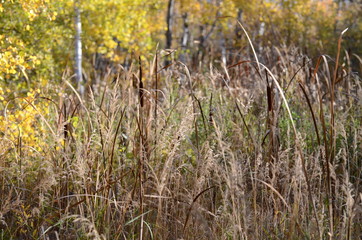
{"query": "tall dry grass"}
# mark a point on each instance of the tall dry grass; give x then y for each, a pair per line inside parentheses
(245, 151)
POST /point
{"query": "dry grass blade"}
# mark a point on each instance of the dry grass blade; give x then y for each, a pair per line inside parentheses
(192, 204)
(312, 112)
(251, 45)
(276, 192)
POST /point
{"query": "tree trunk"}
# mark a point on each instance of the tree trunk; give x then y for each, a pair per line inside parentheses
(78, 49)
(170, 8)
(185, 38)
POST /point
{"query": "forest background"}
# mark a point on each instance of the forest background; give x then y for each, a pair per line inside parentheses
(38, 36)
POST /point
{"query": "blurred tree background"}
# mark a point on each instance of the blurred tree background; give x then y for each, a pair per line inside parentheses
(37, 36)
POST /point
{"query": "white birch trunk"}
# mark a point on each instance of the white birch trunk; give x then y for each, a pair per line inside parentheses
(78, 49)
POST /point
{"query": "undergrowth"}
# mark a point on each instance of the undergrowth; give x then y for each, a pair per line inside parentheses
(186, 153)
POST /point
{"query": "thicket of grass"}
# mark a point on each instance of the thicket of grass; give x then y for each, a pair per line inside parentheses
(237, 152)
